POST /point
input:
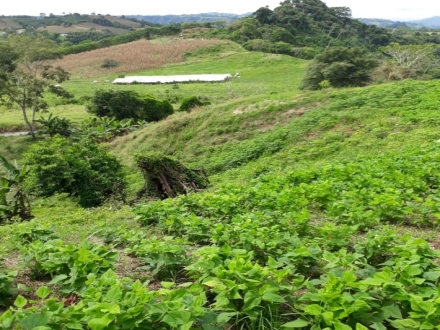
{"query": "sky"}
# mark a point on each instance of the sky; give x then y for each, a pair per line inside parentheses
(391, 9)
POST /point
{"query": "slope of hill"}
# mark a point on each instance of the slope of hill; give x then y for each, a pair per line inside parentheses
(385, 23)
(429, 22)
(61, 24)
(8, 23)
(432, 22)
(177, 19)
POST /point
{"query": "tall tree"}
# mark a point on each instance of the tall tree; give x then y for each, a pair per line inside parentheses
(25, 75)
(341, 67)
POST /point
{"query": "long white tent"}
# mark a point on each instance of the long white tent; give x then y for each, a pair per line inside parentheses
(173, 79)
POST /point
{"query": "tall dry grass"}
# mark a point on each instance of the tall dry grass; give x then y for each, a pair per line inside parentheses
(132, 57)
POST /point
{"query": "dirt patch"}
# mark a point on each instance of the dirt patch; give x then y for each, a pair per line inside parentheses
(127, 266)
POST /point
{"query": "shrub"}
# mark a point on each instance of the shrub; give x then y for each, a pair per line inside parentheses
(191, 102)
(342, 67)
(108, 64)
(7, 289)
(83, 170)
(128, 105)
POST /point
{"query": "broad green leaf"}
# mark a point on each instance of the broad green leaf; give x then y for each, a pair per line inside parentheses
(224, 318)
(100, 323)
(273, 297)
(216, 284)
(58, 279)
(75, 326)
(413, 270)
(328, 317)
(349, 276)
(43, 292)
(314, 310)
(35, 320)
(221, 301)
(177, 318)
(340, 326)
(431, 276)
(406, 324)
(360, 306)
(114, 294)
(167, 285)
(186, 326)
(20, 302)
(378, 326)
(391, 310)
(251, 301)
(361, 327)
(296, 324)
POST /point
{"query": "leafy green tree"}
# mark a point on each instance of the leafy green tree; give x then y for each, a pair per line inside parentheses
(84, 170)
(26, 75)
(342, 67)
(128, 105)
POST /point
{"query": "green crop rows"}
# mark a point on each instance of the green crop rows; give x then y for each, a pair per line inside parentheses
(256, 257)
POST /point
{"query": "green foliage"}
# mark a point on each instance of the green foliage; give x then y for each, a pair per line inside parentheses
(128, 105)
(108, 64)
(13, 200)
(192, 102)
(84, 170)
(30, 234)
(55, 125)
(165, 257)
(7, 289)
(106, 129)
(342, 67)
(27, 75)
(66, 264)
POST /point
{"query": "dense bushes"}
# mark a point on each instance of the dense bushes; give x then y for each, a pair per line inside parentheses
(191, 102)
(342, 67)
(129, 105)
(83, 170)
(281, 47)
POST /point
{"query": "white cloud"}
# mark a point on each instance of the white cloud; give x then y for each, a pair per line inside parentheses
(391, 9)
(394, 9)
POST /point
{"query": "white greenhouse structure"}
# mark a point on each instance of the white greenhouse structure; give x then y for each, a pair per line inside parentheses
(173, 79)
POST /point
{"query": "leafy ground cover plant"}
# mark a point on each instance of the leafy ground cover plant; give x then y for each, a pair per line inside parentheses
(66, 264)
(7, 289)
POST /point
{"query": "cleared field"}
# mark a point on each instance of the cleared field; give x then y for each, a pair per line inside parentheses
(83, 27)
(7, 23)
(132, 57)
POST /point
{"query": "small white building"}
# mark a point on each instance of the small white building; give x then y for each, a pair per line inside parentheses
(173, 79)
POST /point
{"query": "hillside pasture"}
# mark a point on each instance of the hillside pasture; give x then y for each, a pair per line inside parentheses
(132, 57)
(83, 27)
(7, 23)
(119, 20)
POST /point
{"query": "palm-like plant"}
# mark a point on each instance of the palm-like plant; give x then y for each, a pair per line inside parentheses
(13, 201)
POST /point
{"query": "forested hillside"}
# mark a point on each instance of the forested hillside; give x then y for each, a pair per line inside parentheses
(179, 19)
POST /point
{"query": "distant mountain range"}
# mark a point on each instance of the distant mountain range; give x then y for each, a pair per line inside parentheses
(177, 19)
(432, 22)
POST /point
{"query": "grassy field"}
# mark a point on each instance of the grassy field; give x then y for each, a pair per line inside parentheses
(7, 23)
(323, 211)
